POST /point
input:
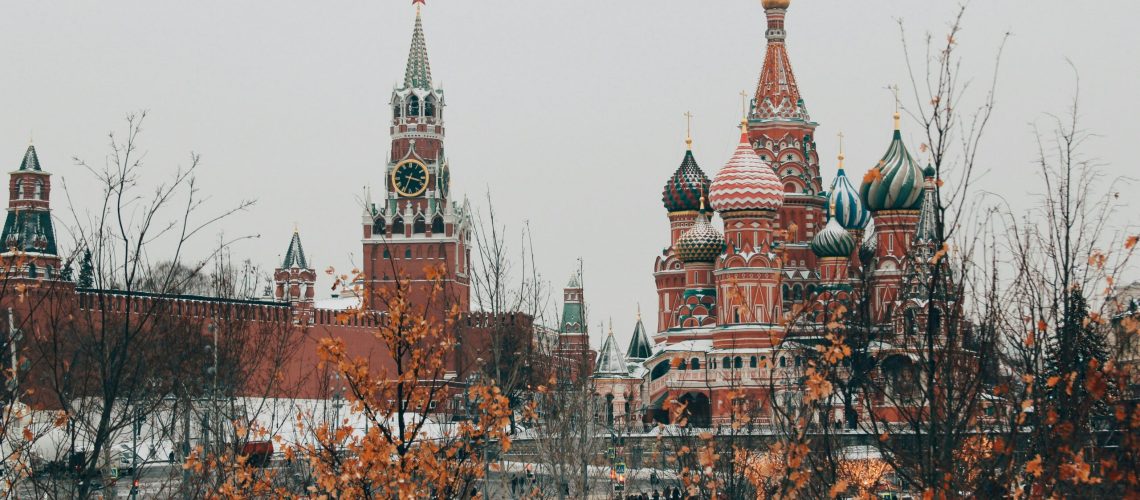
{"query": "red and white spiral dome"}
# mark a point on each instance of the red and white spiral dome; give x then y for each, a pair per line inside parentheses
(746, 182)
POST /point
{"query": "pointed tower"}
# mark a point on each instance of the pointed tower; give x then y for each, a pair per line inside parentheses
(640, 347)
(610, 360)
(417, 225)
(681, 197)
(294, 280)
(29, 236)
(892, 191)
(783, 134)
(573, 336)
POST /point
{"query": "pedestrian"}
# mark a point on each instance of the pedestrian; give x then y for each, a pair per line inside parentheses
(656, 494)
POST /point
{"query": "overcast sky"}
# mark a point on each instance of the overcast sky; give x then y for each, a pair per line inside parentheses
(570, 112)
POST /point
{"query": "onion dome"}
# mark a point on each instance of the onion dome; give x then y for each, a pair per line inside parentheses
(775, 4)
(929, 172)
(746, 182)
(848, 205)
(896, 182)
(833, 241)
(684, 189)
(702, 242)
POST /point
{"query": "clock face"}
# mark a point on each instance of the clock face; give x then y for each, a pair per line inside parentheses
(410, 178)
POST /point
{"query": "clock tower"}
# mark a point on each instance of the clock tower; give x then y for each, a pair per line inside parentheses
(416, 225)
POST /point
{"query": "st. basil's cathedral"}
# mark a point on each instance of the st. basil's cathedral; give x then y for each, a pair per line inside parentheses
(740, 312)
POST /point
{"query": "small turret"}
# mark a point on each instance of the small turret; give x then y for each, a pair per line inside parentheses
(295, 280)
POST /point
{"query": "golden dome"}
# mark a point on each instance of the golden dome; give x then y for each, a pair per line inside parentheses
(775, 4)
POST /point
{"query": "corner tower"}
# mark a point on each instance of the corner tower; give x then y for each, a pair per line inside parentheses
(417, 225)
(783, 134)
(29, 236)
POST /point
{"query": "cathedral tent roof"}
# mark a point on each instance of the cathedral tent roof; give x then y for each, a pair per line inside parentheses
(610, 360)
(639, 346)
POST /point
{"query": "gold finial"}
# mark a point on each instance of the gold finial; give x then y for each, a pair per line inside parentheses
(296, 228)
(689, 130)
(840, 134)
(702, 203)
(744, 125)
(639, 311)
(744, 103)
(611, 326)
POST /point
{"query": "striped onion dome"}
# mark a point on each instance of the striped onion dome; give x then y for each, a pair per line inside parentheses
(896, 182)
(849, 209)
(684, 189)
(701, 243)
(746, 182)
(833, 241)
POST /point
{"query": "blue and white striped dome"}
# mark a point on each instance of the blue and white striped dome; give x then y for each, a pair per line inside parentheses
(849, 208)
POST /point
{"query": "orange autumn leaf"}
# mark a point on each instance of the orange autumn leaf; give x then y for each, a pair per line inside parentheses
(1034, 466)
(1131, 241)
(872, 175)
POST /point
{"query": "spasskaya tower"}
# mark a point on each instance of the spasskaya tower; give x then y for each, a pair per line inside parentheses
(416, 224)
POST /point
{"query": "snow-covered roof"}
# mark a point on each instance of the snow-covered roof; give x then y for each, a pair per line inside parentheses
(337, 303)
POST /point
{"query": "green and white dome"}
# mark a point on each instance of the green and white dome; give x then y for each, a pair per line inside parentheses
(833, 241)
(896, 182)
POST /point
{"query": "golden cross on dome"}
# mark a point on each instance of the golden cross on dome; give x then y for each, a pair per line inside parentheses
(840, 134)
(689, 129)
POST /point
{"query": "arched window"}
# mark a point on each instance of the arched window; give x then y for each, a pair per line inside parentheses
(783, 362)
(682, 365)
(378, 226)
(787, 293)
(797, 293)
(32, 273)
(398, 225)
(418, 226)
(396, 111)
(437, 225)
(429, 106)
(19, 193)
(413, 106)
(726, 362)
(387, 254)
(738, 362)
(659, 371)
(408, 253)
(695, 364)
(39, 194)
(911, 326)
(752, 362)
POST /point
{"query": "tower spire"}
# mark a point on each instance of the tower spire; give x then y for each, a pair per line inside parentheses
(689, 130)
(418, 73)
(777, 95)
(841, 157)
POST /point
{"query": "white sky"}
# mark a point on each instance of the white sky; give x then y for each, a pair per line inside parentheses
(569, 111)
